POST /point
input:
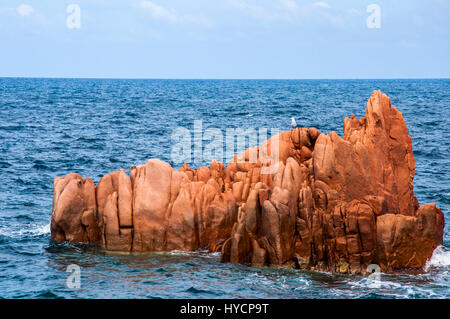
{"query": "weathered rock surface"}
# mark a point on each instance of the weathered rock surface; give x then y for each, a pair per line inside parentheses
(334, 204)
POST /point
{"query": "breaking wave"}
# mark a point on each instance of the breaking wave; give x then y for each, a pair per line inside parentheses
(439, 259)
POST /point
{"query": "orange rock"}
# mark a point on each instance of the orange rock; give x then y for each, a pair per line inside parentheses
(329, 203)
(74, 212)
(114, 204)
(151, 198)
(408, 241)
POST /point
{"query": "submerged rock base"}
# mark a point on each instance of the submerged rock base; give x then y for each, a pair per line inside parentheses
(333, 204)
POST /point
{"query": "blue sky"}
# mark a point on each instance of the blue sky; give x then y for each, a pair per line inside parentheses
(225, 39)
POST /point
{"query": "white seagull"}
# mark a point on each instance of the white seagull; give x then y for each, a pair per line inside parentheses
(293, 123)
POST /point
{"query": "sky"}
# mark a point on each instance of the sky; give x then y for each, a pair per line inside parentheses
(280, 39)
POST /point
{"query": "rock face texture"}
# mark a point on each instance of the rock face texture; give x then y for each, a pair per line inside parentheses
(333, 204)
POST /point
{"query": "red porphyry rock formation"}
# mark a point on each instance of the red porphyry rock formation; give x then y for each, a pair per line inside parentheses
(333, 204)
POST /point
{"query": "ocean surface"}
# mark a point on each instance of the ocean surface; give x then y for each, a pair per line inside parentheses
(51, 127)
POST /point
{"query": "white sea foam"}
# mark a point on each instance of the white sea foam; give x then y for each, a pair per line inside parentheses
(257, 279)
(38, 230)
(374, 283)
(178, 253)
(33, 230)
(392, 288)
(440, 258)
(202, 253)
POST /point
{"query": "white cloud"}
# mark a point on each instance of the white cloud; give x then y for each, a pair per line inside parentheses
(321, 4)
(287, 10)
(289, 4)
(170, 15)
(158, 12)
(25, 10)
(253, 10)
(291, 11)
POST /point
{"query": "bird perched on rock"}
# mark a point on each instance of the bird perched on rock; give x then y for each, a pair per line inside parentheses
(293, 123)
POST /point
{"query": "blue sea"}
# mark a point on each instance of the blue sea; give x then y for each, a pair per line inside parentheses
(51, 127)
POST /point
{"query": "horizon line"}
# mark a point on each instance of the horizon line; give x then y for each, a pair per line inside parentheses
(217, 79)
